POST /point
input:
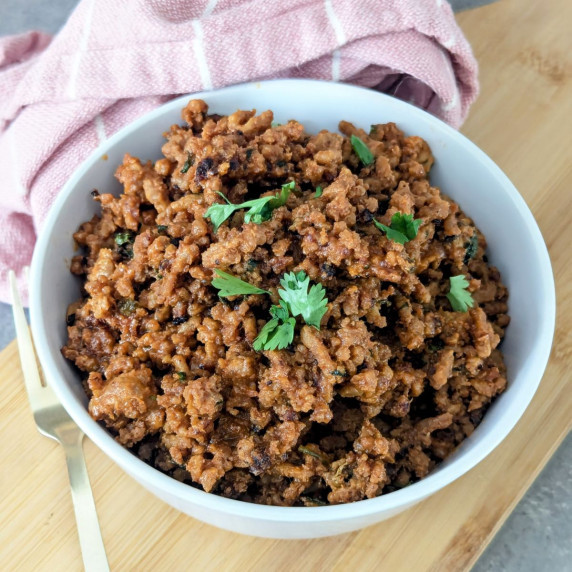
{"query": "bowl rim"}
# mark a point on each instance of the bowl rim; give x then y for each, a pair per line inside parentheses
(442, 476)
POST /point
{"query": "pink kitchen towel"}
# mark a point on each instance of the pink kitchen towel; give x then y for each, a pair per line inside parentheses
(114, 61)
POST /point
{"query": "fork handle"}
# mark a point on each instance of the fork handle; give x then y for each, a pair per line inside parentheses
(92, 548)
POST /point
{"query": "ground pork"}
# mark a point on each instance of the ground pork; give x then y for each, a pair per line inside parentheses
(389, 385)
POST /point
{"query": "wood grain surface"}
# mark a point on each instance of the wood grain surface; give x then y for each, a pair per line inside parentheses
(523, 121)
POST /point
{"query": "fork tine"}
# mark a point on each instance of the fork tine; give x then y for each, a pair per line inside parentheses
(25, 344)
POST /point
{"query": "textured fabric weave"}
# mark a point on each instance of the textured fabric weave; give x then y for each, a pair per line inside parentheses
(113, 61)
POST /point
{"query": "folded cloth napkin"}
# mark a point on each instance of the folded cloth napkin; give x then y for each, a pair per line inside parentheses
(113, 61)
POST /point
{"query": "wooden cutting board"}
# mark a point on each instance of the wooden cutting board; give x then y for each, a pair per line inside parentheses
(523, 120)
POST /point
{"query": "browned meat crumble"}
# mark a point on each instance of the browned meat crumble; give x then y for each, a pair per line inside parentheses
(387, 388)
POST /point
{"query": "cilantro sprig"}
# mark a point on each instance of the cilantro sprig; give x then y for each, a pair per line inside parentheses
(303, 300)
(297, 298)
(230, 285)
(278, 332)
(259, 210)
(362, 151)
(461, 300)
(402, 228)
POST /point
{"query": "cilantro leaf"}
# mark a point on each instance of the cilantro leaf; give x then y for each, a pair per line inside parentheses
(188, 163)
(362, 151)
(318, 192)
(259, 210)
(406, 225)
(219, 213)
(302, 300)
(461, 300)
(394, 235)
(281, 312)
(122, 238)
(268, 330)
(402, 228)
(472, 246)
(232, 286)
(278, 332)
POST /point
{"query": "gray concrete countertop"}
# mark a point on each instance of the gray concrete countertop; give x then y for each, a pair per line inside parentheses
(537, 537)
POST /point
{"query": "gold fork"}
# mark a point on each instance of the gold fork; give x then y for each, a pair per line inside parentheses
(53, 421)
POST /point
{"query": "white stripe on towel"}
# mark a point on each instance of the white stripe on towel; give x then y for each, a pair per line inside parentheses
(82, 48)
(210, 8)
(100, 128)
(200, 55)
(340, 38)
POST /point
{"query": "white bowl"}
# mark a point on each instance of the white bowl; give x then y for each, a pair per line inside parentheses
(461, 170)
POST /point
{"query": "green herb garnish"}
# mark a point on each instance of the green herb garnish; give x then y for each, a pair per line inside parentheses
(277, 333)
(262, 208)
(259, 210)
(302, 300)
(127, 306)
(161, 228)
(315, 501)
(318, 192)
(230, 285)
(472, 248)
(362, 151)
(461, 300)
(320, 456)
(181, 375)
(306, 451)
(122, 238)
(297, 298)
(188, 163)
(219, 213)
(339, 373)
(402, 228)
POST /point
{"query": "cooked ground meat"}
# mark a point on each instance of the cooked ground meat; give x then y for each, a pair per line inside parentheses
(372, 401)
